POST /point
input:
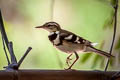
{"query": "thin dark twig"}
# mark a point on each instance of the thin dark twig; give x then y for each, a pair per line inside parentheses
(4, 37)
(52, 9)
(5, 51)
(114, 34)
(12, 55)
(3, 30)
(23, 57)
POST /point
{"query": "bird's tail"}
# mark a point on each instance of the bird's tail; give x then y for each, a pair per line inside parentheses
(100, 52)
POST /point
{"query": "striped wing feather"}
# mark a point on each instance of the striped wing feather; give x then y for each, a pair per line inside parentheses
(71, 37)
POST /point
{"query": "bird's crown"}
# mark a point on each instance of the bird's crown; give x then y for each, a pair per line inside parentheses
(50, 26)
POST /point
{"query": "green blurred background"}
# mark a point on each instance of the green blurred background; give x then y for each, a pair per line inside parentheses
(91, 19)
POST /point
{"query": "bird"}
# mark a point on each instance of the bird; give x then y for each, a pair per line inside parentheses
(69, 42)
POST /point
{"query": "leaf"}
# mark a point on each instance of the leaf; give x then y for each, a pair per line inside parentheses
(85, 57)
(113, 2)
(96, 61)
(111, 62)
(102, 44)
(109, 22)
(117, 46)
(102, 63)
(98, 57)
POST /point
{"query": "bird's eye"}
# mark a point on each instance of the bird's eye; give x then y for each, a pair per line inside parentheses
(49, 25)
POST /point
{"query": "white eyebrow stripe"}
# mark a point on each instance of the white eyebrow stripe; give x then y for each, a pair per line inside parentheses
(77, 40)
(53, 24)
(68, 37)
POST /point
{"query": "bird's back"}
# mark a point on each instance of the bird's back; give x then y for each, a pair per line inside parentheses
(68, 42)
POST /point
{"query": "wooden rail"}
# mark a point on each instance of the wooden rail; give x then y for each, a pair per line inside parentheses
(55, 75)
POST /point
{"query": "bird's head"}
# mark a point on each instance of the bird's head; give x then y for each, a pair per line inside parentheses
(50, 26)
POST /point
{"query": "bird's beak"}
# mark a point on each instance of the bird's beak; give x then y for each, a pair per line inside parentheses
(39, 27)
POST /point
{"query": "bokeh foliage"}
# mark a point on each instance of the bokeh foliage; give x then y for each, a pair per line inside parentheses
(91, 19)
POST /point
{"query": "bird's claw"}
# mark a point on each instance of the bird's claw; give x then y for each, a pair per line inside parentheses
(69, 69)
(68, 61)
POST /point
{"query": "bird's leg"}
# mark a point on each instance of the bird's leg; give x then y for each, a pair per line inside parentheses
(77, 57)
(68, 59)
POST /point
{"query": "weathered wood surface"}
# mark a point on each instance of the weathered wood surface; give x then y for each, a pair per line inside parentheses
(55, 75)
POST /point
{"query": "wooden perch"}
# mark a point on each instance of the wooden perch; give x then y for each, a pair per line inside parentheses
(56, 75)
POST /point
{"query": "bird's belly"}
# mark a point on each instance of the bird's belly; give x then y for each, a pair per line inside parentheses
(69, 47)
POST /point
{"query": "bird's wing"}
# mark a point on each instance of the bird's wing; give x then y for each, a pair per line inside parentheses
(71, 37)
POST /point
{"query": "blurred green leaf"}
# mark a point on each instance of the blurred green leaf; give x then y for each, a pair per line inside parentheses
(109, 24)
(117, 46)
(102, 64)
(96, 60)
(113, 2)
(111, 61)
(85, 57)
(102, 44)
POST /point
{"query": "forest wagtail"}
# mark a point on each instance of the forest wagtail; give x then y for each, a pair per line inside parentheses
(69, 42)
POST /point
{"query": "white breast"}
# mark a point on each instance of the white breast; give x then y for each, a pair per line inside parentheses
(57, 40)
(70, 48)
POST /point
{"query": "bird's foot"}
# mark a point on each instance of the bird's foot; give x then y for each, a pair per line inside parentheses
(69, 69)
(68, 61)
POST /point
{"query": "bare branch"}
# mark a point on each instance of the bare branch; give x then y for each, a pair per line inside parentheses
(23, 57)
(12, 55)
(4, 37)
(114, 34)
